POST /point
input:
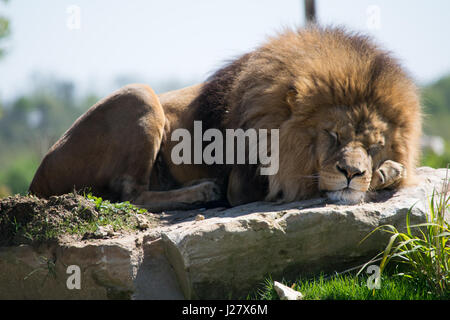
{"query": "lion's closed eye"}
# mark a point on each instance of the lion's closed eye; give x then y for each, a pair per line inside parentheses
(334, 136)
(373, 149)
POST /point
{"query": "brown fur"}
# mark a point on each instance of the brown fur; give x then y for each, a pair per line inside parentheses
(344, 107)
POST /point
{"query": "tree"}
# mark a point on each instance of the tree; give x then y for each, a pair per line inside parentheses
(4, 30)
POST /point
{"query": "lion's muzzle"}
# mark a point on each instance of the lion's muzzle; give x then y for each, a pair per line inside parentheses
(347, 178)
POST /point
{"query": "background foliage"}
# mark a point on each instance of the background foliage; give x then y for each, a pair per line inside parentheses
(29, 126)
(4, 31)
(436, 103)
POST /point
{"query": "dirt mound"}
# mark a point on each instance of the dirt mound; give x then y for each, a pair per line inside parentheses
(28, 219)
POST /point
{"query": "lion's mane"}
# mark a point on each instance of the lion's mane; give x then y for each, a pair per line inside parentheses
(314, 69)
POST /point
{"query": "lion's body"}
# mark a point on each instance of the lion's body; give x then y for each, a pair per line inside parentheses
(306, 84)
(96, 150)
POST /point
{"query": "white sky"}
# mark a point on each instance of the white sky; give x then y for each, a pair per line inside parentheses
(153, 41)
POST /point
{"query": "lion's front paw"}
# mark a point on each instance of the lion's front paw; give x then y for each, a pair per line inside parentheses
(387, 175)
(207, 191)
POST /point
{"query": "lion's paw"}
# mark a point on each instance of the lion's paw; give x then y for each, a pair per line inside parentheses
(207, 191)
(388, 174)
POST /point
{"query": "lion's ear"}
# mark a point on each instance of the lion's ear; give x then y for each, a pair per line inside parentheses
(291, 96)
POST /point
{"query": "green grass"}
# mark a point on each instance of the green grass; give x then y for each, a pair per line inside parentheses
(351, 287)
(422, 251)
(121, 216)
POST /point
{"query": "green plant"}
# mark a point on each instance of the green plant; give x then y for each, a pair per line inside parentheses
(4, 30)
(424, 253)
(118, 215)
(50, 267)
(431, 159)
(348, 287)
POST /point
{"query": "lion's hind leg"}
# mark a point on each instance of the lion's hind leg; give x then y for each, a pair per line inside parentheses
(120, 136)
(188, 197)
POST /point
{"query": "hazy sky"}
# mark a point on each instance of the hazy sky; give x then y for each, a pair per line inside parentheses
(151, 41)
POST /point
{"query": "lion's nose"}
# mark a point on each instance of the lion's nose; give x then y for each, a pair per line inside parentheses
(350, 172)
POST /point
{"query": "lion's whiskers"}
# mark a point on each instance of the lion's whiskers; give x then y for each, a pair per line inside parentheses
(312, 177)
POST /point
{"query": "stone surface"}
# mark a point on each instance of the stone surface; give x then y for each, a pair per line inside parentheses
(226, 254)
(142, 221)
(107, 269)
(230, 252)
(286, 293)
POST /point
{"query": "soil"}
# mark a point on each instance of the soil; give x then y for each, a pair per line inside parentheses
(29, 219)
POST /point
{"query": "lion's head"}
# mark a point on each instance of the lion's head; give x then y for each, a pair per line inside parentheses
(343, 106)
(349, 142)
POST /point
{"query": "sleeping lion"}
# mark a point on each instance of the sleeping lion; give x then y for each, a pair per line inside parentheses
(347, 116)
